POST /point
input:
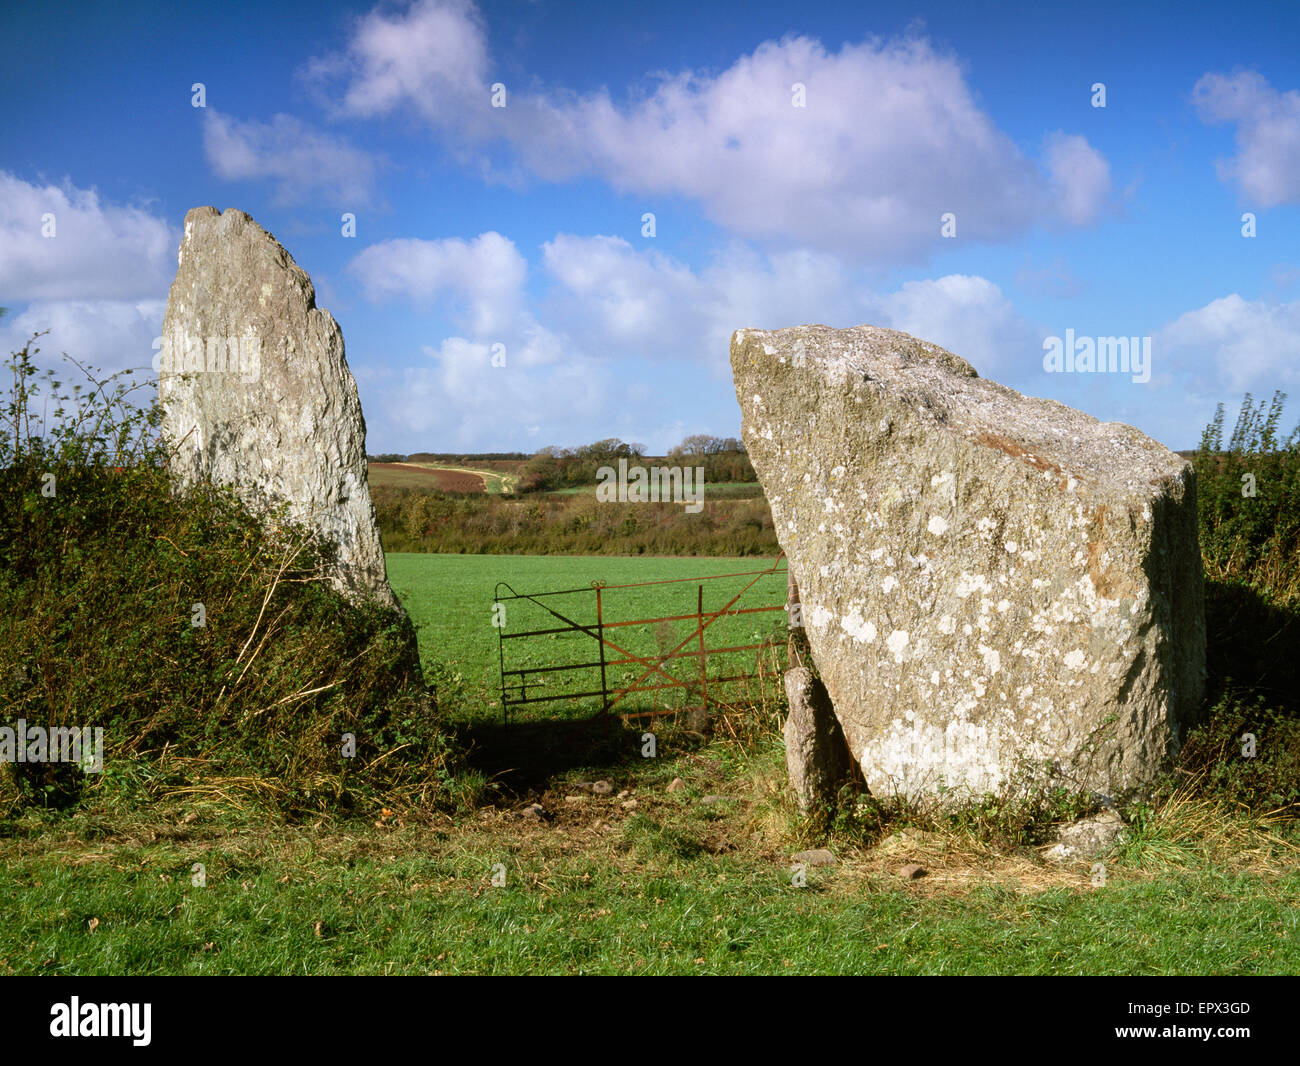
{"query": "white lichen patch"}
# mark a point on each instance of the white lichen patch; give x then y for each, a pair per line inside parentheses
(971, 583)
(938, 525)
(861, 630)
(1075, 659)
(992, 659)
(897, 644)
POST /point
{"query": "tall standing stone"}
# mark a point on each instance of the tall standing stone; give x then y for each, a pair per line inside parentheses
(993, 585)
(257, 394)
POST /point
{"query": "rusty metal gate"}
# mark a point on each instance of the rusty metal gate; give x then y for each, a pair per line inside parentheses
(608, 658)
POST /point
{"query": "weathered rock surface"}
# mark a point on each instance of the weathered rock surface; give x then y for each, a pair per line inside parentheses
(1087, 838)
(815, 857)
(992, 584)
(257, 394)
(816, 756)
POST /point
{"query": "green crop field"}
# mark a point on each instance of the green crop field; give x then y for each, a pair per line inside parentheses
(451, 600)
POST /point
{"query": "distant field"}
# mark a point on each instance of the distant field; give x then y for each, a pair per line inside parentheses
(726, 490)
(443, 477)
(450, 597)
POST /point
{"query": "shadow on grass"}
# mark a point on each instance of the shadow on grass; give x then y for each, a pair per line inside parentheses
(524, 756)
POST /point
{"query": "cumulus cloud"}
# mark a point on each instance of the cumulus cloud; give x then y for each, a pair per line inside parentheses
(1243, 344)
(457, 396)
(1266, 167)
(642, 302)
(98, 251)
(890, 138)
(486, 275)
(636, 327)
(970, 317)
(1080, 177)
(302, 161)
(107, 335)
(433, 56)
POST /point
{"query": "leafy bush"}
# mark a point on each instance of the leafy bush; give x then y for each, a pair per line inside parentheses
(200, 636)
(415, 520)
(1248, 498)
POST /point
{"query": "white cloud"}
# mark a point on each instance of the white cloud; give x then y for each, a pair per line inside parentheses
(639, 302)
(303, 161)
(632, 342)
(107, 335)
(487, 273)
(99, 251)
(460, 399)
(970, 317)
(433, 57)
(1266, 167)
(1080, 177)
(890, 139)
(616, 298)
(1241, 344)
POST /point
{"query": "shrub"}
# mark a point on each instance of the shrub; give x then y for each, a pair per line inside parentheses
(200, 636)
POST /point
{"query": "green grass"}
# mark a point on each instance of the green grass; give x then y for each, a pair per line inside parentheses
(672, 886)
(450, 598)
(648, 896)
(642, 881)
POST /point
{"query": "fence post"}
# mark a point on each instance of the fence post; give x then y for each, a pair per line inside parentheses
(797, 641)
(501, 658)
(600, 639)
(704, 662)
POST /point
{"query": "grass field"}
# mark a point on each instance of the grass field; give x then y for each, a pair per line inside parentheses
(644, 880)
(649, 892)
(553, 845)
(450, 598)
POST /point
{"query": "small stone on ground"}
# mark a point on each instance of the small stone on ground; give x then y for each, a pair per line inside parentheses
(815, 857)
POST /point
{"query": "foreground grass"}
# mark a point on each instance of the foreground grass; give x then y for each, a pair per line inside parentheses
(309, 903)
(674, 885)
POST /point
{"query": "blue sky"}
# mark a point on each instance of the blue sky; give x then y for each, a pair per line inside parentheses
(521, 226)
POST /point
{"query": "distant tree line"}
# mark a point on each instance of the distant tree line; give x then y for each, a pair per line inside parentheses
(448, 457)
(553, 468)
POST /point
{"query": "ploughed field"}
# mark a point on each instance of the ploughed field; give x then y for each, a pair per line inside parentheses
(421, 476)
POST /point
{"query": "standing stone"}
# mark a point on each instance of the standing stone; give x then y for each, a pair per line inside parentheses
(993, 585)
(257, 394)
(816, 756)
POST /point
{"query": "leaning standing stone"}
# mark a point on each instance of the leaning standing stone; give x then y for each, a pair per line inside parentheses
(257, 394)
(992, 584)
